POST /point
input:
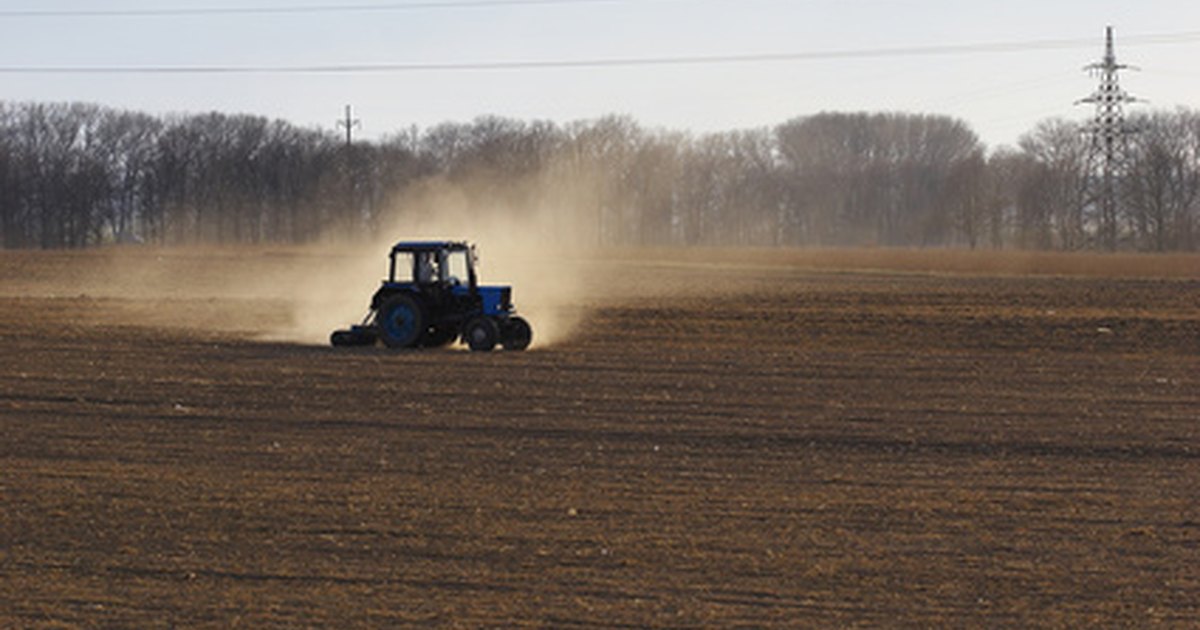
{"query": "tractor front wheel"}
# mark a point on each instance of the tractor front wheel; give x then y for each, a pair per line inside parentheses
(401, 321)
(517, 334)
(481, 334)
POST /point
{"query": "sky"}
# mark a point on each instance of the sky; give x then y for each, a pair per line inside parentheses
(999, 66)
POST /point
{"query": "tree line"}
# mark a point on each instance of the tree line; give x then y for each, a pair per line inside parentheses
(77, 175)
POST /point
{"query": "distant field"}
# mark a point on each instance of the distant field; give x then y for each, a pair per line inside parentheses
(958, 261)
(698, 438)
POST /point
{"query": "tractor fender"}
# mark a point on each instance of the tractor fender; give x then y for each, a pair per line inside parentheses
(388, 290)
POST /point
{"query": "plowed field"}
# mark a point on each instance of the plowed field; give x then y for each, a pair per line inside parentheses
(752, 441)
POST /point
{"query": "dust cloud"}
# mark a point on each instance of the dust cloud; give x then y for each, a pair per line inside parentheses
(299, 294)
(530, 234)
(534, 234)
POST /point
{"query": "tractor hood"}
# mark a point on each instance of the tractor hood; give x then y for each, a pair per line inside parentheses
(497, 299)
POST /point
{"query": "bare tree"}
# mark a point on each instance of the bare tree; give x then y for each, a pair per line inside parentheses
(600, 155)
(967, 198)
(1164, 179)
(11, 230)
(875, 178)
(73, 175)
(1005, 169)
(1053, 200)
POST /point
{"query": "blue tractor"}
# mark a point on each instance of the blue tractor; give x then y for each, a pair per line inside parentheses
(432, 298)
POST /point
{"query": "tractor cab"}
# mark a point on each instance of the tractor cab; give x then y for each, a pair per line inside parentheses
(448, 264)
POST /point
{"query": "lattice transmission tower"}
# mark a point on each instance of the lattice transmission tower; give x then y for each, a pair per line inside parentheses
(1108, 149)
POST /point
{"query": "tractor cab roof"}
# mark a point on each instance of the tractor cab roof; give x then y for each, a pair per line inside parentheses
(429, 246)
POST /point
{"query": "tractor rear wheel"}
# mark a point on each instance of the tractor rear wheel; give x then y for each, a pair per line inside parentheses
(517, 334)
(481, 334)
(401, 321)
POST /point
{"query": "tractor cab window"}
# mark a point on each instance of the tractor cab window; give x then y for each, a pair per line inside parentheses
(427, 268)
(432, 266)
(418, 267)
(455, 267)
(402, 267)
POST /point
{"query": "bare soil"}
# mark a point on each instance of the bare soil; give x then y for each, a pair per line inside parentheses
(723, 441)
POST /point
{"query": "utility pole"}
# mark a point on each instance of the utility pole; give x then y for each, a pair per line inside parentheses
(349, 123)
(358, 201)
(1108, 150)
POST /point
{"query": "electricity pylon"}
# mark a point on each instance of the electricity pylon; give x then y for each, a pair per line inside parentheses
(1108, 150)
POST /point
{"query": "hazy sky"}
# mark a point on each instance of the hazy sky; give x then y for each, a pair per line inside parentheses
(1001, 94)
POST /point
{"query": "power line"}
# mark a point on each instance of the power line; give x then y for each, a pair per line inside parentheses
(265, 10)
(366, 68)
